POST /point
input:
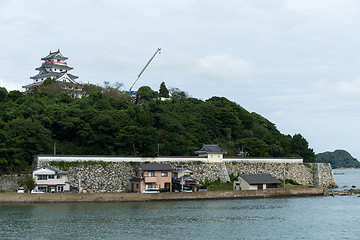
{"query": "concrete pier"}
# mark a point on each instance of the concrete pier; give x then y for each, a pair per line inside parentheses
(143, 197)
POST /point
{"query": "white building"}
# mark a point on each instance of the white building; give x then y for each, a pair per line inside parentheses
(55, 67)
(48, 179)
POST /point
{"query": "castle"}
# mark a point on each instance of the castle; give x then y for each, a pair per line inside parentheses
(55, 67)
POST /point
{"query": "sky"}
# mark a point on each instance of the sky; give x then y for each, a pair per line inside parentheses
(294, 62)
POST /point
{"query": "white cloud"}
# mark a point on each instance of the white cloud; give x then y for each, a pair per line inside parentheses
(223, 67)
(10, 85)
(218, 66)
(344, 89)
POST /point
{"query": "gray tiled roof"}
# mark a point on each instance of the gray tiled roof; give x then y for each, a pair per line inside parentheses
(53, 65)
(186, 178)
(56, 55)
(210, 148)
(155, 167)
(56, 75)
(180, 169)
(259, 178)
(55, 170)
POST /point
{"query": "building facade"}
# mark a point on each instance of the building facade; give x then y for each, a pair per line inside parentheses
(54, 66)
(256, 182)
(48, 179)
(150, 176)
(183, 179)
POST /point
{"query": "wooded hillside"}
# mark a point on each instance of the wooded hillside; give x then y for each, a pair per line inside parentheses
(338, 159)
(105, 120)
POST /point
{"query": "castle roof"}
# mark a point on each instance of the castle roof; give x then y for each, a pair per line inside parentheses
(53, 55)
(45, 74)
(210, 148)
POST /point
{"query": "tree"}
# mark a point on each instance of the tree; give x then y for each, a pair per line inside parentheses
(137, 141)
(254, 146)
(163, 91)
(30, 184)
(300, 147)
(14, 95)
(177, 93)
(24, 139)
(105, 120)
(145, 94)
(3, 94)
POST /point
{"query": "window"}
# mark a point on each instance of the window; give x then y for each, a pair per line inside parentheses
(137, 186)
(164, 174)
(42, 177)
(147, 186)
(60, 188)
(51, 177)
(58, 176)
(42, 188)
(151, 174)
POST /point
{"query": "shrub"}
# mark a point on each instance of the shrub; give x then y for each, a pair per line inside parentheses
(307, 165)
(290, 181)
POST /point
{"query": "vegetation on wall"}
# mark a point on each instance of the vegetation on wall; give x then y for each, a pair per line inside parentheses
(107, 121)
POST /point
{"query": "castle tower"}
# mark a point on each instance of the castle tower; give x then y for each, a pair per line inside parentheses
(54, 66)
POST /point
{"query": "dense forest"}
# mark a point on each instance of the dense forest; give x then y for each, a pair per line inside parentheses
(104, 120)
(338, 159)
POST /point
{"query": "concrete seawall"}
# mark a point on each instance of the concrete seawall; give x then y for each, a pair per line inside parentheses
(140, 197)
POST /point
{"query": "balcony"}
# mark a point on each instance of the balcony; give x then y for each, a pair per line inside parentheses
(57, 62)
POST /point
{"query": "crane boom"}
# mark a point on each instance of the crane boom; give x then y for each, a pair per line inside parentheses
(157, 51)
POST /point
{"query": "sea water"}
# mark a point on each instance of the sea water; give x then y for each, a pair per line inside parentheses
(278, 218)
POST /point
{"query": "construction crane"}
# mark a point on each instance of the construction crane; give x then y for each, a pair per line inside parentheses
(137, 78)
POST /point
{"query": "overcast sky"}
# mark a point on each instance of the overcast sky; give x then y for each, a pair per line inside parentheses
(294, 62)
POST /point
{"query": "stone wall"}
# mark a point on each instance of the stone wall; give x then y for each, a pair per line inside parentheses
(11, 182)
(301, 173)
(104, 177)
(114, 177)
(323, 175)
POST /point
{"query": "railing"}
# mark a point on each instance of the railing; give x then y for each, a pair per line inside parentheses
(58, 62)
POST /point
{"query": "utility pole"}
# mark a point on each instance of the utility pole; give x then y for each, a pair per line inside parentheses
(182, 183)
(284, 177)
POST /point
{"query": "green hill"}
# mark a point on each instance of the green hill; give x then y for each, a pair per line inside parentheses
(105, 120)
(338, 159)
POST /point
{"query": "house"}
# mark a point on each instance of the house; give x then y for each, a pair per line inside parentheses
(255, 182)
(48, 179)
(183, 179)
(212, 151)
(151, 175)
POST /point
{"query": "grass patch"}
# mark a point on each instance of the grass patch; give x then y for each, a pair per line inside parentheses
(11, 191)
(217, 185)
(289, 183)
(65, 165)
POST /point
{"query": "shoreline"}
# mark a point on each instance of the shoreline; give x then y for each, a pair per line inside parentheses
(143, 197)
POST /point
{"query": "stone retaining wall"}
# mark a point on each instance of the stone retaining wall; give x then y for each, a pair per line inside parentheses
(113, 177)
(11, 182)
